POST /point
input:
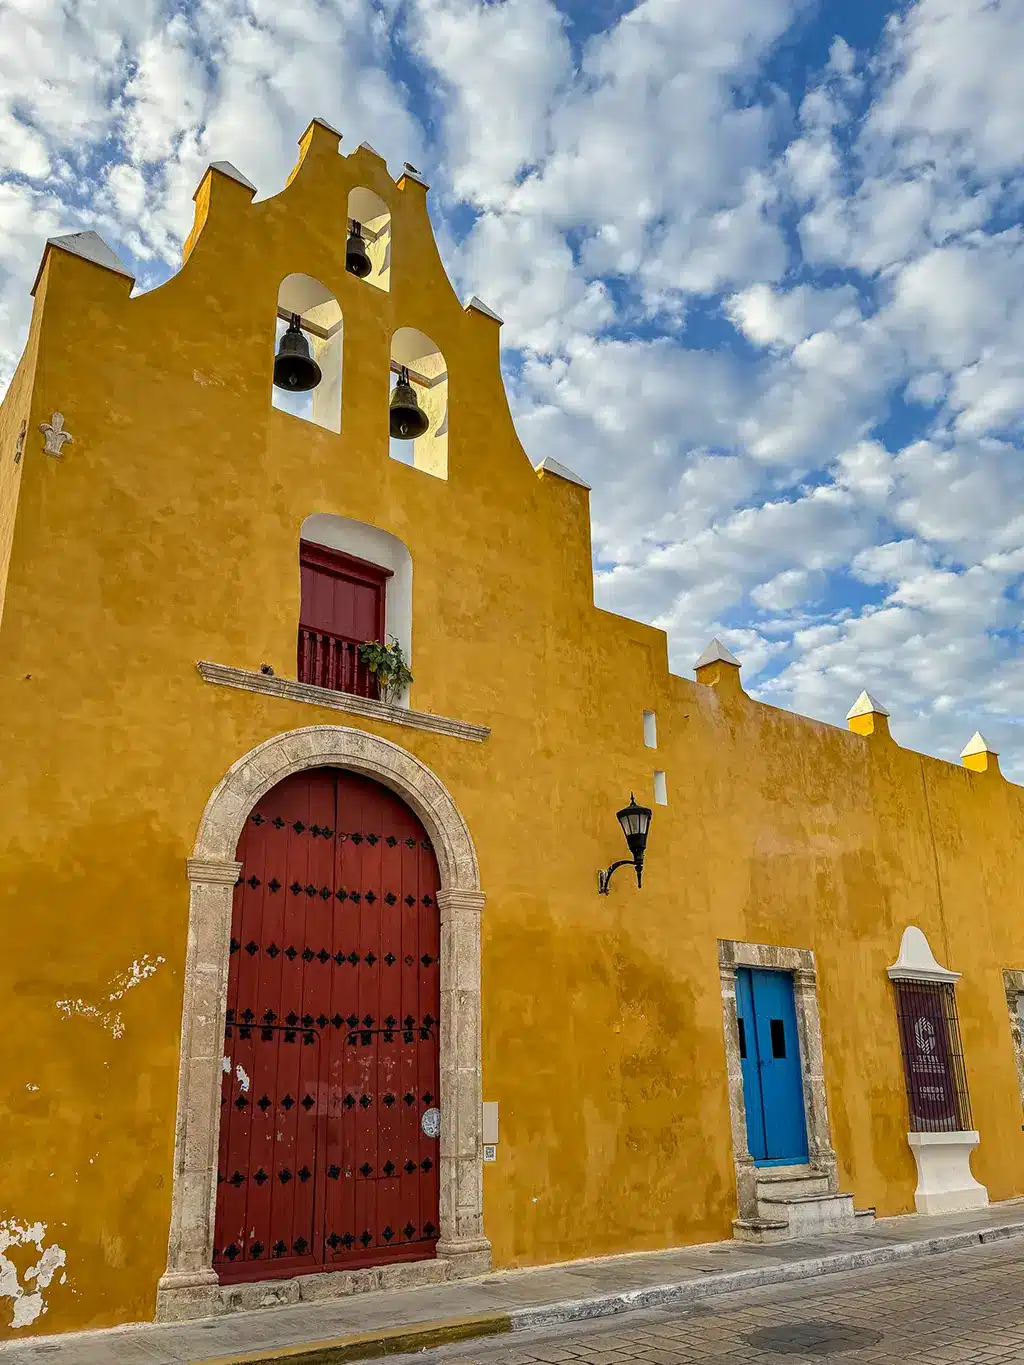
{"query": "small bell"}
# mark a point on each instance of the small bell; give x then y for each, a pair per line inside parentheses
(357, 262)
(408, 420)
(294, 368)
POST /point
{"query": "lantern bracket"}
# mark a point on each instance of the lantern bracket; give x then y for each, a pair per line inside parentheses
(603, 878)
(635, 821)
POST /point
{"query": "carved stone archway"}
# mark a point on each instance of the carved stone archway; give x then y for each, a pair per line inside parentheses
(189, 1287)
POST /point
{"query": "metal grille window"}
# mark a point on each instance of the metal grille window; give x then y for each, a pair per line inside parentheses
(933, 1061)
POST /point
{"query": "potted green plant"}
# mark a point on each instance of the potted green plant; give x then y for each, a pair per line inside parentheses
(388, 665)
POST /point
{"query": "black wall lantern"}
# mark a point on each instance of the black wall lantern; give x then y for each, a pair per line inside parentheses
(635, 821)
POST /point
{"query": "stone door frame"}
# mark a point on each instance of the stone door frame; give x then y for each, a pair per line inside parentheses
(1013, 986)
(189, 1287)
(799, 962)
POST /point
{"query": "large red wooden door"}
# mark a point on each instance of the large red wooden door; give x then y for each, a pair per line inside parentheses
(328, 1146)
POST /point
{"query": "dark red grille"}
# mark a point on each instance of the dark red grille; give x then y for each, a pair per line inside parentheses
(933, 1062)
(332, 661)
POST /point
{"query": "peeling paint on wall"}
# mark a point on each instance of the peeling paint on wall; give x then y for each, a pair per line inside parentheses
(140, 970)
(28, 1293)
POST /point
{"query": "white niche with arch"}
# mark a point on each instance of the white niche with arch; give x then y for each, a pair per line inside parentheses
(378, 547)
(428, 373)
(370, 212)
(319, 316)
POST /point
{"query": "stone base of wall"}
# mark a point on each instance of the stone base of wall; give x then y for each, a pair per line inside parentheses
(186, 1301)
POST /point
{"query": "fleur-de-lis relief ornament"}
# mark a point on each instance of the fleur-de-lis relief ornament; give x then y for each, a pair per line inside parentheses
(55, 434)
(21, 442)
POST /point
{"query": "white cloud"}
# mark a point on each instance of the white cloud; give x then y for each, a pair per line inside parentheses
(501, 67)
(784, 318)
(807, 442)
(954, 87)
(786, 590)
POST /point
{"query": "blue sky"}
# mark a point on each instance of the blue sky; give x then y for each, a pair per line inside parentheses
(760, 264)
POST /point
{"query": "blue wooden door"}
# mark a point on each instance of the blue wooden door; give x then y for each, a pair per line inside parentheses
(773, 1092)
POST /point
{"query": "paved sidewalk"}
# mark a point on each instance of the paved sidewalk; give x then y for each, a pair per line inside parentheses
(376, 1324)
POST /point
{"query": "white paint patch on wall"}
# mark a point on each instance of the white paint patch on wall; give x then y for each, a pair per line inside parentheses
(28, 1295)
(140, 970)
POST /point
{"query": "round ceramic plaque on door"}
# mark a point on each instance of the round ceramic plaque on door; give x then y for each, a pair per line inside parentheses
(431, 1122)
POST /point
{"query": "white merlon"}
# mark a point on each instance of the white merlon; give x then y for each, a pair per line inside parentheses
(413, 175)
(715, 653)
(226, 168)
(866, 705)
(91, 247)
(977, 744)
(481, 307)
(916, 961)
(550, 466)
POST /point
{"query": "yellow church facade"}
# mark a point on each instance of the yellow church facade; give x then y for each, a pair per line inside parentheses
(312, 987)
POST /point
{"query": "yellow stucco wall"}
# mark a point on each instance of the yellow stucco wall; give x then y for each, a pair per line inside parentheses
(167, 533)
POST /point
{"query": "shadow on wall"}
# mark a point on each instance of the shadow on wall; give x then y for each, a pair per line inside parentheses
(624, 1141)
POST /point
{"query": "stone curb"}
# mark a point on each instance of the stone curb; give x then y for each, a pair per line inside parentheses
(383, 1341)
(692, 1291)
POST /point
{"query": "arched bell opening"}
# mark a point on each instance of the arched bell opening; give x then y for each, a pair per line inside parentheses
(368, 240)
(418, 409)
(307, 352)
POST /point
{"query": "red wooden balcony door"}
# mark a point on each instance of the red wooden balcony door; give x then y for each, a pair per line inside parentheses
(331, 1050)
(342, 606)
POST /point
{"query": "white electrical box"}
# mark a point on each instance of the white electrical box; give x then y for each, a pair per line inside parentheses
(489, 1123)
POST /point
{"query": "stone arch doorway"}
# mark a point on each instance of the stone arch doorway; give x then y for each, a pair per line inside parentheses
(190, 1287)
(329, 1117)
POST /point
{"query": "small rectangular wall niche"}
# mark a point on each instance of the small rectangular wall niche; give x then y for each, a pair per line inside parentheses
(660, 789)
(650, 730)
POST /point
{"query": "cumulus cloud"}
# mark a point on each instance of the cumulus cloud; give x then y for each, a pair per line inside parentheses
(778, 324)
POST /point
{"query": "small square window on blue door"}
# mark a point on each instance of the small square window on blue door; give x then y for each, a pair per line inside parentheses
(773, 1090)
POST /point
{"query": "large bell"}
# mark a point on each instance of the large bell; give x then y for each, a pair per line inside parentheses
(357, 262)
(408, 420)
(295, 370)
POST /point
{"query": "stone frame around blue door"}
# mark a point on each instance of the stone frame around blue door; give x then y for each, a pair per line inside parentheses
(800, 964)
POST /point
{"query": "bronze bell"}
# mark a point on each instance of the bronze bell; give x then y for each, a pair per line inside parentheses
(295, 370)
(408, 420)
(357, 262)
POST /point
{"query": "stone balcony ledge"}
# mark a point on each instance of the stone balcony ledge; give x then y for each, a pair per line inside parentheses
(291, 690)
